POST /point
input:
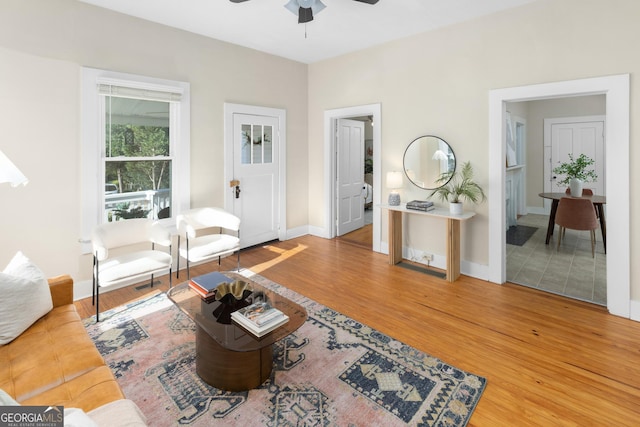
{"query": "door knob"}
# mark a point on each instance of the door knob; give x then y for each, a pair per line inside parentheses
(235, 183)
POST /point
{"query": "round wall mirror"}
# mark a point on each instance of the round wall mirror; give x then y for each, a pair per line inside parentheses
(426, 159)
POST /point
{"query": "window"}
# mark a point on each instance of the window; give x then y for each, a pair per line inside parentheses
(257, 144)
(137, 158)
(135, 148)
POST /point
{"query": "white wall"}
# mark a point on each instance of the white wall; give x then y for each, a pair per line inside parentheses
(439, 82)
(43, 45)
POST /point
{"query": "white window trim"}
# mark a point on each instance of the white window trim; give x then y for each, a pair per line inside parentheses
(92, 171)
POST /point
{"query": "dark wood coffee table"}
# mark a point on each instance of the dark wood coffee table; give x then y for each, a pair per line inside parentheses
(228, 357)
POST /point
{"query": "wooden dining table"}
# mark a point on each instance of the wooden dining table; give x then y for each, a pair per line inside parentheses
(598, 203)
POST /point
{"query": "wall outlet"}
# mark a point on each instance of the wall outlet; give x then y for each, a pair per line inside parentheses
(427, 257)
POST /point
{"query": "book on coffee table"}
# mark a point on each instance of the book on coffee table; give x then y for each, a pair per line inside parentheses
(206, 284)
(259, 318)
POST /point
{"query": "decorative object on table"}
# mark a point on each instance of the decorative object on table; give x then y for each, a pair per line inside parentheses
(10, 172)
(334, 368)
(259, 318)
(421, 205)
(394, 182)
(459, 185)
(576, 174)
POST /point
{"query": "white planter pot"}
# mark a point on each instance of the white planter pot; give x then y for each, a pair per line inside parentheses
(575, 187)
(455, 208)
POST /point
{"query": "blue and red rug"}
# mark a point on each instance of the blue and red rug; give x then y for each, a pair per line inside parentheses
(333, 371)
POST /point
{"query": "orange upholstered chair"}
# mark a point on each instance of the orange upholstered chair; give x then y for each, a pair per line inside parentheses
(577, 214)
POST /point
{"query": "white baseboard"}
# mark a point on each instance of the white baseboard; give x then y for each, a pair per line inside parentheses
(634, 310)
(82, 289)
(318, 232)
(536, 210)
(292, 233)
(471, 269)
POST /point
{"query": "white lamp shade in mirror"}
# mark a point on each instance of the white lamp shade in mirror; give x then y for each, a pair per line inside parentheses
(10, 173)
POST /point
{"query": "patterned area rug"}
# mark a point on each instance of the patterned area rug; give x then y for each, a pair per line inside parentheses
(331, 371)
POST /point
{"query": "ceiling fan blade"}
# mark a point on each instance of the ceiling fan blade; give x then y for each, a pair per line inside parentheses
(364, 1)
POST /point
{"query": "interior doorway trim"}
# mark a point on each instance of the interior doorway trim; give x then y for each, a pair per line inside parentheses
(616, 90)
(330, 117)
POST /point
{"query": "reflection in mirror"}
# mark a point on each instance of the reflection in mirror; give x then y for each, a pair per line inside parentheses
(426, 159)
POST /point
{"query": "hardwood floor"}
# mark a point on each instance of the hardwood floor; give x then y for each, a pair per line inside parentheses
(548, 360)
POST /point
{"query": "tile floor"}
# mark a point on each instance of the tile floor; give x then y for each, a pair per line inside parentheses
(569, 271)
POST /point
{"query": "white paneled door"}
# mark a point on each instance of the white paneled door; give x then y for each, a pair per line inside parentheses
(350, 175)
(575, 136)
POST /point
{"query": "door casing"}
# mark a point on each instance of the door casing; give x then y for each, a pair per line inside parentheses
(328, 230)
(616, 90)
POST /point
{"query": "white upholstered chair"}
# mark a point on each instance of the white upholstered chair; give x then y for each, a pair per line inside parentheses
(121, 253)
(209, 233)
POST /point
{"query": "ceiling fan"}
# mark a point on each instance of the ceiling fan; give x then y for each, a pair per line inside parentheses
(306, 9)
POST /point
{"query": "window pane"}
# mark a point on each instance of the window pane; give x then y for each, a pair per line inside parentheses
(245, 150)
(268, 144)
(257, 144)
(137, 189)
(136, 128)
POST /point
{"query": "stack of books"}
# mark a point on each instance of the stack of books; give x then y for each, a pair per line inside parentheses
(206, 285)
(259, 318)
(421, 205)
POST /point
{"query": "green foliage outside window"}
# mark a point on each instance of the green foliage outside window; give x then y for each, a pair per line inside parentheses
(127, 142)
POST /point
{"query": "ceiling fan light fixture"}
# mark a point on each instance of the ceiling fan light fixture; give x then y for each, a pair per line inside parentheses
(305, 9)
(305, 15)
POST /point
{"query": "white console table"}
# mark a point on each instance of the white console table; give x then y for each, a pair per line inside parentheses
(453, 235)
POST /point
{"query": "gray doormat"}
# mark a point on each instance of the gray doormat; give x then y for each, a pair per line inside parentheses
(519, 234)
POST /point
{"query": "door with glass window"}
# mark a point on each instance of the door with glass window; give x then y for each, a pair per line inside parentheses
(255, 184)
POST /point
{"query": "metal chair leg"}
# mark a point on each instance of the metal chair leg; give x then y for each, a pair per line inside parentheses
(178, 256)
(97, 303)
(93, 277)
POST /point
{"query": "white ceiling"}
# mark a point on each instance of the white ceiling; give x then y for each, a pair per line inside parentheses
(343, 26)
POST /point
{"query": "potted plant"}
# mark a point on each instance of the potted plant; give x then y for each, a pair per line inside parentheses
(458, 185)
(576, 174)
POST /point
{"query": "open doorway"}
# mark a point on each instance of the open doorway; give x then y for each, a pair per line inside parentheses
(372, 114)
(571, 269)
(616, 90)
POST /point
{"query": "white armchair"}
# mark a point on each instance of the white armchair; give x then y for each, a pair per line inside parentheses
(129, 262)
(209, 233)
